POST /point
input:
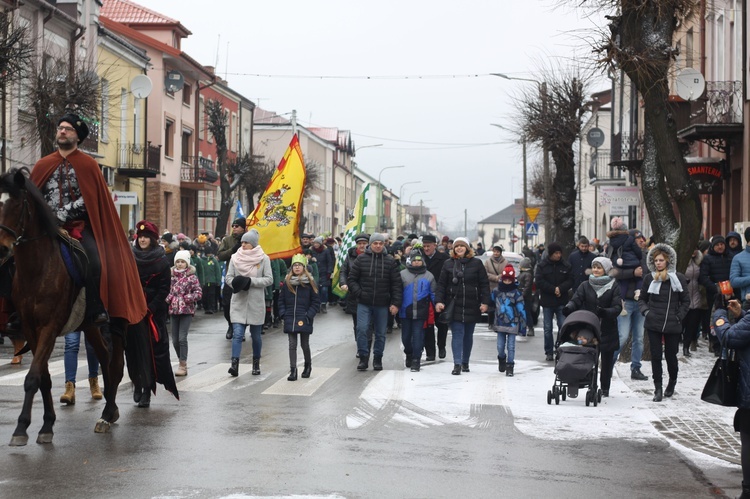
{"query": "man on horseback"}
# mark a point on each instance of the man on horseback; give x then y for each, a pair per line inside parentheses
(74, 187)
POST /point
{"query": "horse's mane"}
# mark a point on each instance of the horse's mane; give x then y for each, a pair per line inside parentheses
(8, 184)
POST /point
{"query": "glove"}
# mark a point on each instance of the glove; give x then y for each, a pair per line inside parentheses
(599, 312)
(566, 311)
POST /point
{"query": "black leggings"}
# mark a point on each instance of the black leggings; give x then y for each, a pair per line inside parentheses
(671, 347)
(695, 318)
(305, 340)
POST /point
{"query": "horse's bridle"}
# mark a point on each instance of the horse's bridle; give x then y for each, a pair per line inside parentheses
(20, 238)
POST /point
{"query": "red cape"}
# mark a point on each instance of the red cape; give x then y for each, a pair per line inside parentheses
(120, 286)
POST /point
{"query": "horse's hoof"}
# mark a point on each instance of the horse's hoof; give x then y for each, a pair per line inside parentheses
(44, 438)
(19, 440)
(101, 426)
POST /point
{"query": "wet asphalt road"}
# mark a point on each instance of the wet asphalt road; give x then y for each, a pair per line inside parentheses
(250, 436)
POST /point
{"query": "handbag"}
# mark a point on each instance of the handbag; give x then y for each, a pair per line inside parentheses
(446, 316)
(723, 382)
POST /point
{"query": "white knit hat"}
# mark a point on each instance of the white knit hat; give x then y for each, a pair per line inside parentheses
(183, 255)
(462, 240)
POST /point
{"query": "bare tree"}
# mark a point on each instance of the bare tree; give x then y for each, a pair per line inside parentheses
(640, 43)
(313, 178)
(217, 127)
(554, 119)
(16, 51)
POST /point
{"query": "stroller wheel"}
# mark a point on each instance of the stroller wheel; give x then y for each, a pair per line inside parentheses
(555, 391)
(564, 394)
(549, 397)
(594, 398)
(588, 398)
(557, 399)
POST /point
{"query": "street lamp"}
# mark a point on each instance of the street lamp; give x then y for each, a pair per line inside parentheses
(545, 163)
(525, 186)
(401, 197)
(380, 188)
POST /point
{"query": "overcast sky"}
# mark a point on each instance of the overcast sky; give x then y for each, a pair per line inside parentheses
(439, 128)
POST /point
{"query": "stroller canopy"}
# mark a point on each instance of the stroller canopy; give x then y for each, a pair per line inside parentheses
(580, 319)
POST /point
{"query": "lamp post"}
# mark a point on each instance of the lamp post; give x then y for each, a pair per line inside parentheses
(380, 194)
(525, 185)
(545, 156)
(401, 196)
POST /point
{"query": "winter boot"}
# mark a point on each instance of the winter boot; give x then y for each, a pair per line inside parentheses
(145, 399)
(96, 392)
(182, 370)
(669, 391)
(230, 333)
(694, 345)
(415, 365)
(364, 362)
(235, 369)
(69, 397)
(509, 371)
(501, 363)
(530, 331)
(292, 374)
(377, 363)
(256, 367)
(408, 361)
(306, 371)
(745, 492)
(323, 308)
(456, 369)
(657, 392)
(465, 367)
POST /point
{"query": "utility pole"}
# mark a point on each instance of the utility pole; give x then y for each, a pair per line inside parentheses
(294, 122)
(525, 215)
(466, 223)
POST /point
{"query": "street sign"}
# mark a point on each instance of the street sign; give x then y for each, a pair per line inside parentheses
(514, 239)
(532, 229)
(532, 213)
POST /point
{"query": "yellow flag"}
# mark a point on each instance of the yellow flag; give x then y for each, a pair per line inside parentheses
(276, 217)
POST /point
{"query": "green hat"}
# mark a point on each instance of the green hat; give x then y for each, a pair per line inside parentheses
(301, 259)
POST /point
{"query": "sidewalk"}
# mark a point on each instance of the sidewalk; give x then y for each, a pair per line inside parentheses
(684, 417)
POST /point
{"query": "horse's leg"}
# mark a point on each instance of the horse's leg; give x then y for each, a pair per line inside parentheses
(101, 342)
(113, 337)
(42, 351)
(46, 433)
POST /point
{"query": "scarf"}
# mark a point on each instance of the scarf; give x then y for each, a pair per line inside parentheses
(506, 288)
(296, 280)
(247, 262)
(144, 257)
(601, 284)
(662, 276)
(417, 270)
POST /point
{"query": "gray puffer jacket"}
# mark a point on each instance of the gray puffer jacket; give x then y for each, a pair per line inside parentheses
(665, 310)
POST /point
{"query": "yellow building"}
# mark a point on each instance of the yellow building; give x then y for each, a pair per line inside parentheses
(121, 148)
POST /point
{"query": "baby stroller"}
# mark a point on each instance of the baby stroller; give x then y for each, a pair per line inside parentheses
(576, 365)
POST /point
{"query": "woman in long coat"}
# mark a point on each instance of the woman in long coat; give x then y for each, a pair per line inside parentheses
(463, 280)
(249, 274)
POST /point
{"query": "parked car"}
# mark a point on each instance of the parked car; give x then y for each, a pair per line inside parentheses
(515, 260)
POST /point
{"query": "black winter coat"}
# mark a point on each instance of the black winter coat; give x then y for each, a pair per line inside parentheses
(350, 306)
(470, 291)
(714, 268)
(607, 307)
(550, 275)
(326, 262)
(579, 263)
(435, 263)
(156, 277)
(665, 311)
(298, 309)
(374, 280)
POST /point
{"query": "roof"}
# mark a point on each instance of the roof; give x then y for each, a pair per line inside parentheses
(130, 13)
(263, 117)
(509, 215)
(327, 134)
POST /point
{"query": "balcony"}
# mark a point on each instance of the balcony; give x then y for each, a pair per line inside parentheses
(627, 152)
(716, 117)
(601, 170)
(137, 161)
(197, 173)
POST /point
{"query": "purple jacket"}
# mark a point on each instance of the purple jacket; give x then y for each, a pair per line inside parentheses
(184, 293)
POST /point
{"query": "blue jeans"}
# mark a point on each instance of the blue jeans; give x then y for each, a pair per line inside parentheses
(549, 340)
(631, 323)
(323, 292)
(72, 345)
(462, 340)
(412, 336)
(379, 317)
(508, 339)
(238, 331)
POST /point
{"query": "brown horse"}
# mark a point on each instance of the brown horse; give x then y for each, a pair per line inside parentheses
(44, 295)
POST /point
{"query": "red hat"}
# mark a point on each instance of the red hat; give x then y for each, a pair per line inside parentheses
(146, 228)
(508, 273)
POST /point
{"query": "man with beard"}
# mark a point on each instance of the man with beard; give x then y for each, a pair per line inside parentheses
(434, 261)
(73, 185)
(229, 246)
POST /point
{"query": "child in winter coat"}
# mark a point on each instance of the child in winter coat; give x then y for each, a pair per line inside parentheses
(526, 287)
(623, 251)
(184, 294)
(211, 281)
(510, 318)
(299, 302)
(419, 293)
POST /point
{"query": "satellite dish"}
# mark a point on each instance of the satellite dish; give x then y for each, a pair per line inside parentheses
(690, 84)
(174, 81)
(595, 137)
(141, 86)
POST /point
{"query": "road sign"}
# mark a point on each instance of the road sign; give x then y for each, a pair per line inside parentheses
(514, 239)
(532, 213)
(532, 229)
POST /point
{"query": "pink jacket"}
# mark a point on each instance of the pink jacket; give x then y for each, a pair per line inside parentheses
(184, 293)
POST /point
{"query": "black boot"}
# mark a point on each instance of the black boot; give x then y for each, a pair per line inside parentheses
(745, 492)
(670, 387)
(501, 363)
(657, 393)
(364, 362)
(456, 369)
(377, 363)
(407, 362)
(230, 333)
(137, 394)
(509, 371)
(256, 367)
(465, 367)
(292, 374)
(686, 351)
(307, 370)
(145, 398)
(235, 369)
(415, 365)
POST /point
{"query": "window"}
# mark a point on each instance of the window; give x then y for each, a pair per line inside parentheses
(689, 49)
(719, 48)
(499, 234)
(104, 128)
(187, 145)
(169, 138)
(187, 92)
(201, 118)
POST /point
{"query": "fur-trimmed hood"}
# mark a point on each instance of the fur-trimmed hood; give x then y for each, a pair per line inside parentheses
(671, 265)
(613, 233)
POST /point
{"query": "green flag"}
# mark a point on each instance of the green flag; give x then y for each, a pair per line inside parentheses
(354, 227)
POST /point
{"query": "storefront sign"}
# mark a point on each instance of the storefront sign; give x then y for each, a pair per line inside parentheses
(125, 197)
(208, 213)
(707, 174)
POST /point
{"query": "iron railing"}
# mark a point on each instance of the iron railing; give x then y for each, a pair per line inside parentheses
(198, 169)
(720, 104)
(132, 156)
(600, 168)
